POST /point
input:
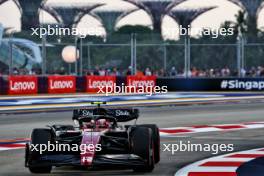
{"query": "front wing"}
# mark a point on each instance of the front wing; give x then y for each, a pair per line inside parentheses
(108, 160)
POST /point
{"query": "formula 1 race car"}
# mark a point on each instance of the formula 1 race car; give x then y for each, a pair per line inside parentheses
(97, 140)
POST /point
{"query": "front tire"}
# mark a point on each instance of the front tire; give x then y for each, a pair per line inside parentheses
(142, 145)
(156, 140)
(38, 136)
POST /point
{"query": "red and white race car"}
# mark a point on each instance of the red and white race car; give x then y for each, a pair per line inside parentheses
(96, 140)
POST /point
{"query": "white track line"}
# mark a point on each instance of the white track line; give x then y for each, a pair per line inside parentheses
(227, 158)
(210, 128)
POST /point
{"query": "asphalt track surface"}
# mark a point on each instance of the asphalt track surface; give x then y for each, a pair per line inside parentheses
(20, 126)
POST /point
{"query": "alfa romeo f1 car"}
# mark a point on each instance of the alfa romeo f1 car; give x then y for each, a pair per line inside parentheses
(96, 140)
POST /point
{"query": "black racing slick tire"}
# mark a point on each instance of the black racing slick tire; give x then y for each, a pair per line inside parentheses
(156, 140)
(38, 136)
(142, 146)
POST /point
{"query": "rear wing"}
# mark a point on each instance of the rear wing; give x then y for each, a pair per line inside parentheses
(121, 115)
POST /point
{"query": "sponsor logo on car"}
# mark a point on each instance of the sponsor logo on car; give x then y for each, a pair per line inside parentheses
(122, 113)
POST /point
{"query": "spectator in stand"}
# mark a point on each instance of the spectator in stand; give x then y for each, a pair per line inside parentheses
(89, 72)
(156, 73)
(15, 71)
(252, 72)
(32, 72)
(243, 72)
(108, 72)
(181, 73)
(262, 72)
(173, 72)
(225, 72)
(102, 72)
(62, 71)
(129, 71)
(139, 73)
(161, 73)
(195, 72)
(211, 73)
(201, 73)
(96, 71)
(217, 72)
(147, 72)
(115, 72)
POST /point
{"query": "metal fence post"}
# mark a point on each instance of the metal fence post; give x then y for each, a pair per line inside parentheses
(185, 57)
(76, 55)
(81, 58)
(44, 55)
(165, 56)
(189, 55)
(242, 52)
(132, 53)
(239, 55)
(69, 67)
(89, 56)
(135, 54)
(11, 54)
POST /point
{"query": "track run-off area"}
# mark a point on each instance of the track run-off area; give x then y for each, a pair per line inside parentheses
(239, 124)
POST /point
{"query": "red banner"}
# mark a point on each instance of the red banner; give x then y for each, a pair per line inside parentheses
(61, 84)
(94, 83)
(22, 85)
(148, 82)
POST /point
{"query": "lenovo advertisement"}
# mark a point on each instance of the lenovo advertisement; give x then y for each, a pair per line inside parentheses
(61, 84)
(95, 83)
(22, 85)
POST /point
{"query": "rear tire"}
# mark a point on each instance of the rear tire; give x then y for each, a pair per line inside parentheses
(38, 136)
(156, 140)
(142, 146)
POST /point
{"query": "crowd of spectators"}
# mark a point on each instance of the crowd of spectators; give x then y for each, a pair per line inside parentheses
(21, 71)
(213, 73)
(172, 72)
